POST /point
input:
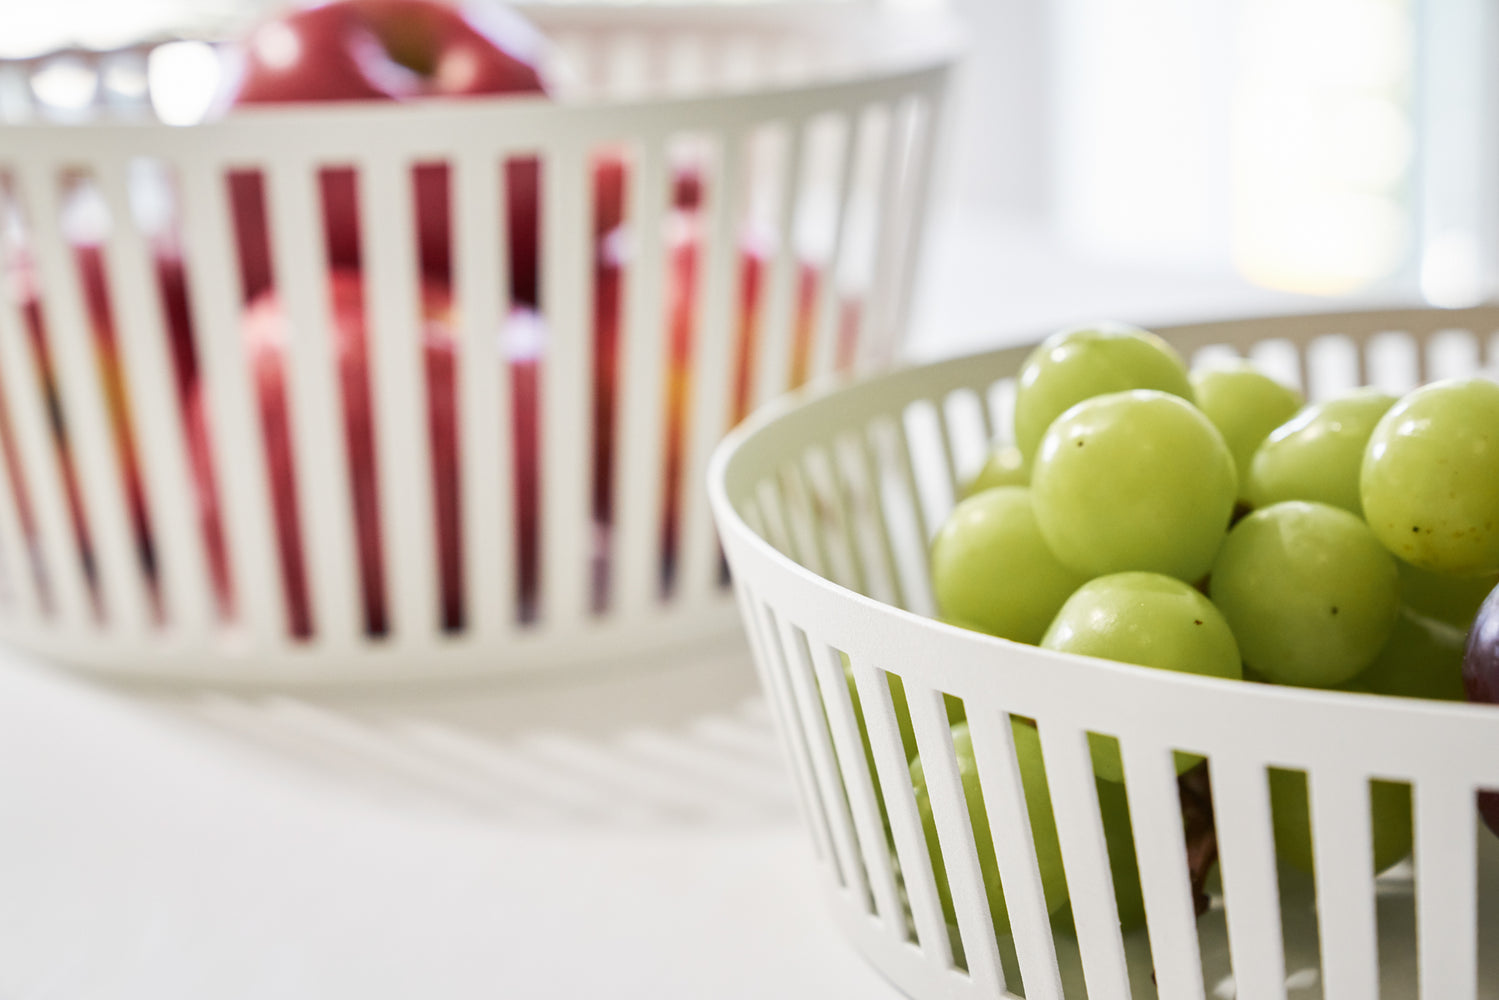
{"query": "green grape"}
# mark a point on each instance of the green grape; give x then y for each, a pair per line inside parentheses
(1316, 455)
(1389, 816)
(1149, 620)
(1430, 478)
(1453, 600)
(1137, 480)
(1245, 405)
(1037, 804)
(1077, 364)
(992, 571)
(1005, 466)
(1416, 662)
(1310, 593)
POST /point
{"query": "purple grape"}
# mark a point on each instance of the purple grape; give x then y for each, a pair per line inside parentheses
(1481, 681)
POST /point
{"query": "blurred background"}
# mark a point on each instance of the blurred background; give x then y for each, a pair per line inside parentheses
(1152, 161)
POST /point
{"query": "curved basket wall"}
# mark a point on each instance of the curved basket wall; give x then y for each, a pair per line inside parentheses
(501, 471)
(825, 503)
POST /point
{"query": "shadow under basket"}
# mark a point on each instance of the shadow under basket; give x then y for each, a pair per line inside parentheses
(214, 469)
(825, 502)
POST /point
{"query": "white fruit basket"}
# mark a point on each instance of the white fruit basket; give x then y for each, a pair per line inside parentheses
(552, 513)
(825, 502)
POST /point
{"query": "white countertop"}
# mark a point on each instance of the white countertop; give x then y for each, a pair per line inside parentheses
(613, 836)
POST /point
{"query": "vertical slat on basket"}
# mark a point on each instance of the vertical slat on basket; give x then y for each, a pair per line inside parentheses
(1161, 851)
(773, 516)
(877, 333)
(965, 879)
(873, 472)
(778, 322)
(1085, 854)
(14, 551)
(949, 449)
(1345, 883)
(567, 300)
(850, 503)
(903, 457)
(315, 399)
(765, 669)
(777, 667)
(399, 403)
(710, 394)
(827, 323)
(900, 803)
(919, 598)
(40, 467)
(1446, 889)
(809, 546)
(639, 416)
(73, 347)
(142, 341)
(859, 784)
(913, 224)
(814, 723)
(238, 452)
(1241, 807)
(1015, 852)
(485, 453)
(832, 515)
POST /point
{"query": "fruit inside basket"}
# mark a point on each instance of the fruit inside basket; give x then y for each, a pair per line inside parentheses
(1108, 768)
(428, 328)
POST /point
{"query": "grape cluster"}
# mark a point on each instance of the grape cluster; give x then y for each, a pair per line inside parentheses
(1210, 523)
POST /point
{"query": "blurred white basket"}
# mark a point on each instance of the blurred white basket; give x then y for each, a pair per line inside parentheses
(810, 132)
(825, 502)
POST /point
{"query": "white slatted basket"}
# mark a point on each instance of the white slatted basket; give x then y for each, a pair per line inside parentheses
(811, 132)
(825, 502)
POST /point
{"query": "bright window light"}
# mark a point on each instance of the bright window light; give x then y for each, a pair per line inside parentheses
(183, 77)
(1323, 144)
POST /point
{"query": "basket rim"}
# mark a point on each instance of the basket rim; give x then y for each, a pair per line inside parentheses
(938, 45)
(434, 128)
(806, 406)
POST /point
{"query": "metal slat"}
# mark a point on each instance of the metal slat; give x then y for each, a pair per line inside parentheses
(311, 360)
(641, 378)
(1090, 883)
(1345, 883)
(401, 409)
(1246, 847)
(486, 445)
(711, 368)
(1155, 813)
(142, 338)
(74, 349)
(227, 387)
(567, 301)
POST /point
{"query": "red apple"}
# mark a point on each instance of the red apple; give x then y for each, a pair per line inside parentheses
(265, 332)
(687, 187)
(352, 50)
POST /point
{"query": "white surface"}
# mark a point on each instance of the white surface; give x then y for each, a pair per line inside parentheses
(627, 836)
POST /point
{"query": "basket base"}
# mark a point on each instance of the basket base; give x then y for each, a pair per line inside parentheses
(907, 968)
(687, 629)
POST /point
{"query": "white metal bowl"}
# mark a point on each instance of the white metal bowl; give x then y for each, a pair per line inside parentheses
(816, 124)
(825, 502)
